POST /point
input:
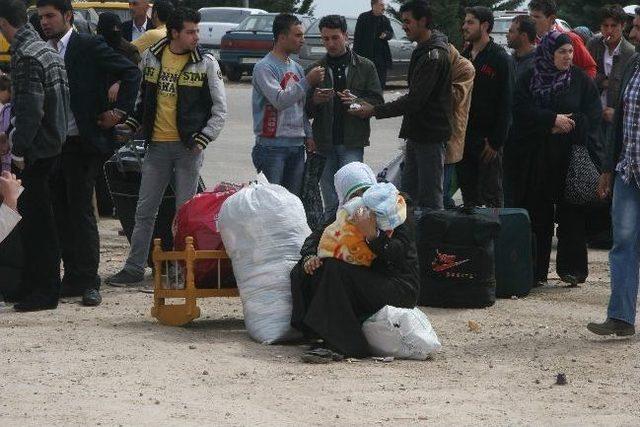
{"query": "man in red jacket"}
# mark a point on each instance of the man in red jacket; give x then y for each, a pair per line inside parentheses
(544, 13)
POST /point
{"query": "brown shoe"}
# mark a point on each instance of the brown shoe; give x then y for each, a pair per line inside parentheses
(612, 327)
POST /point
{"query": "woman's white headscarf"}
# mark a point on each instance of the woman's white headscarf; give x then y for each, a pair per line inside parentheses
(351, 178)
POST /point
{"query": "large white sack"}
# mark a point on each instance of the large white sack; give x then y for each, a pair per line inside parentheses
(401, 333)
(263, 227)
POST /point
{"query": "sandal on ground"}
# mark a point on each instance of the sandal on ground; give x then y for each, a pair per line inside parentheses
(321, 356)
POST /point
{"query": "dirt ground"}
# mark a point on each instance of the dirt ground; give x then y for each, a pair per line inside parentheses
(115, 365)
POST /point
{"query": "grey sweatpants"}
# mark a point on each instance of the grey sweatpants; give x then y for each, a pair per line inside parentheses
(423, 173)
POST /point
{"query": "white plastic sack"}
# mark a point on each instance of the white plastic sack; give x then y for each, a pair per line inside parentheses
(263, 227)
(401, 333)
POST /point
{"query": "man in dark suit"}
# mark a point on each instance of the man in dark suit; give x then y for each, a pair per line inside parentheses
(371, 39)
(139, 22)
(90, 63)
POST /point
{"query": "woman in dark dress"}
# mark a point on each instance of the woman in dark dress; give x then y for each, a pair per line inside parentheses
(332, 298)
(556, 105)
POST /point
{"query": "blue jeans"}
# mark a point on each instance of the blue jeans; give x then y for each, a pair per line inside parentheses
(281, 165)
(164, 163)
(624, 258)
(449, 170)
(337, 157)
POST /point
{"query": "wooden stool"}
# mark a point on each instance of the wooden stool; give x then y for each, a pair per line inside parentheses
(181, 314)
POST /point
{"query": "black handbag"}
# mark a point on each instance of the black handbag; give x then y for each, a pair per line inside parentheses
(582, 179)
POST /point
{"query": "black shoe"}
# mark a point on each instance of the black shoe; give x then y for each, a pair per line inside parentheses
(321, 356)
(612, 327)
(572, 280)
(36, 303)
(125, 278)
(91, 298)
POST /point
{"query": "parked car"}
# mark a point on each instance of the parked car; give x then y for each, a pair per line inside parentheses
(401, 48)
(216, 21)
(243, 47)
(502, 23)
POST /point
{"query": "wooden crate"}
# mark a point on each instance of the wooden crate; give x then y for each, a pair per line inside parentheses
(181, 314)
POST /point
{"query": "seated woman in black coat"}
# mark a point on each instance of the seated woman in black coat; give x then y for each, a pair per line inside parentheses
(556, 105)
(332, 298)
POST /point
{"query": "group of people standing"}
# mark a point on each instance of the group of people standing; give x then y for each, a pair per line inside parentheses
(517, 122)
(69, 92)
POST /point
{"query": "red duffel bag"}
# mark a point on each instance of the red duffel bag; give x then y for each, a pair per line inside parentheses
(197, 218)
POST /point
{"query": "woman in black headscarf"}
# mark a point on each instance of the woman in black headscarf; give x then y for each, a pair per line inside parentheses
(556, 105)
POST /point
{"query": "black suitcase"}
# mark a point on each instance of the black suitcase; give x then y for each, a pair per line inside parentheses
(457, 262)
(123, 175)
(514, 252)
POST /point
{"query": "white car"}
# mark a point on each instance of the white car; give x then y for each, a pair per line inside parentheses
(216, 21)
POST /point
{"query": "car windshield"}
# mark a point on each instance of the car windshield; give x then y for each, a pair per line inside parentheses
(501, 26)
(224, 15)
(259, 23)
(314, 30)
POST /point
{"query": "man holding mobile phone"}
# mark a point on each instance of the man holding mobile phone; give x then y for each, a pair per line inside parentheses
(339, 136)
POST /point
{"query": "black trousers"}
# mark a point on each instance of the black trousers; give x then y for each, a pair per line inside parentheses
(76, 221)
(480, 182)
(381, 68)
(334, 301)
(572, 258)
(41, 277)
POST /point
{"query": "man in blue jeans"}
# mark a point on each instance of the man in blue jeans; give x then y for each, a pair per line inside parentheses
(340, 137)
(279, 92)
(178, 77)
(624, 162)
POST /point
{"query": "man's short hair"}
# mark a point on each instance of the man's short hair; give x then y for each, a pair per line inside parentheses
(374, 2)
(547, 7)
(482, 14)
(14, 11)
(62, 6)
(282, 24)
(614, 12)
(526, 25)
(334, 22)
(163, 9)
(5, 82)
(419, 9)
(179, 17)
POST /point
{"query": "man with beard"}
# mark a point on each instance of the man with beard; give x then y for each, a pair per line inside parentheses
(426, 109)
(90, 63)
(522, 39)
(480, 171)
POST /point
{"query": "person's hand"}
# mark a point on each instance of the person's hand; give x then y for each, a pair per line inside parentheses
(315, 76)
(365, 111)
(4, 144)
(312, 264)
(10, 189)
(197, 149)
(347, 97)
(109, 119)
(122, 133)
(565, 123)
(605, 185)
(383, 35)
(321, 96)
(488, 153)
(310, 143)
(112, 95)
(608, 114)
(365, 221)
(605, 84)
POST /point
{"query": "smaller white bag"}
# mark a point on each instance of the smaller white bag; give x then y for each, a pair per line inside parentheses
(401, 333)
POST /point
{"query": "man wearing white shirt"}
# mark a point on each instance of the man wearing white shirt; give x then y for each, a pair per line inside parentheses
(140, 22)
(91, 64)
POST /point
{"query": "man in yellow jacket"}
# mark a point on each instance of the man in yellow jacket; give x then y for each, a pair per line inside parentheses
(160, 13)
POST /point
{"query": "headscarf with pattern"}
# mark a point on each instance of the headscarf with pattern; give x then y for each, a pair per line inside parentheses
(547, 79)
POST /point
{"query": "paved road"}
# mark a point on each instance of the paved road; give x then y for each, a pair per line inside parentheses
(229, 158)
